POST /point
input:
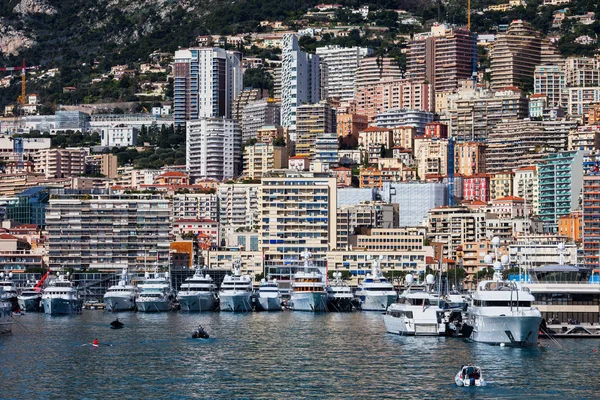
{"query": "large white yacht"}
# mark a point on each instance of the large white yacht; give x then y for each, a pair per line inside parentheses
(502, 312)
(236, 291)
(5, 314)
(198, 293)
(269, 296)
(308, 288)
(375, 292)
(30, 298)
(61, 297)
(417, 312)
(339, 295)
(121, 297)
(155, 293)
(10, 293)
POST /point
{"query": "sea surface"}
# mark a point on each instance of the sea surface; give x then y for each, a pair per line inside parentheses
(281, 355)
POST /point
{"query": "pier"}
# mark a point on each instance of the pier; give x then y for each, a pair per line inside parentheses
(580, 331)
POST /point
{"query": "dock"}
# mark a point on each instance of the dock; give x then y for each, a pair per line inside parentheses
(93, 305)
(580, 331)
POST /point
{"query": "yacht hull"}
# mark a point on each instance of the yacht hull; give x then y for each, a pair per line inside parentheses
(377, 302)
(197, 303)
(519, 331)
(238, 302)
(30, 303)
(153, 306)
(309, 301)
(336, 304)
(61, 306)
(114, 304)
(268, 303)
(405, 326)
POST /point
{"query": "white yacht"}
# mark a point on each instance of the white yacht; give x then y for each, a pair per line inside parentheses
(30, 298)
(121, 297)
(501, 312)
(339, 295)
(269, 296)
(5, 314)
(10, 293)
(198, 293)
(308, 288)
(417, 312)
(375, 292)
(155, 293)
(236, 291)
(61, 297)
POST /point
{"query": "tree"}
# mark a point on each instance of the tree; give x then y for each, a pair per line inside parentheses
(258, 78)
(382, 151)
(279, 142)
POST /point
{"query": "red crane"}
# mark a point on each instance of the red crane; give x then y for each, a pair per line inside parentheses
(22, 98)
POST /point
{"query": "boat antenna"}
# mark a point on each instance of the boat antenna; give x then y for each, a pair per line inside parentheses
(561, 253)
(306, 255)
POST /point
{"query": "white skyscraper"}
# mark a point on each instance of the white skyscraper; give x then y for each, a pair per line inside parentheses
(213, 148)
(206, 81)
(300, 81)
(338, 66)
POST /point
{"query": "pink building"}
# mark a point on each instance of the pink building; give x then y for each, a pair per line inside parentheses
(477, 187)
(375, 98)
(343, 176)
(199, 227)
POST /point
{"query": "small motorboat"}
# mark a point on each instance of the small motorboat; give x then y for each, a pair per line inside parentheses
(200, 333)
(116, 324)
(469, 375)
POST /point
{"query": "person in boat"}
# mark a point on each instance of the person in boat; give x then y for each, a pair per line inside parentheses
(95, 342)
(475, 374)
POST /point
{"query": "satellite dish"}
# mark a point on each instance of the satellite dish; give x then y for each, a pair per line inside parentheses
(1, 274)
(504, 259)
(495, 241)
(488, 259)
(430, 279)
(263, 280)
(561, 246)
(10, 274)
(409, 279)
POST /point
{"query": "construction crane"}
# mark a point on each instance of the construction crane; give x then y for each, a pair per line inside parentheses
(23, 68)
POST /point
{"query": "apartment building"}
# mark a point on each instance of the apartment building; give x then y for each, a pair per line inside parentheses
(560, 180)
(451, 227)
(338, 69)
(195, 206)
(550, 80)
(313, 121)
(367, 214)
(206, 82)
(591, 219)
(107, 232)
(262, 157)
(300, 81)
(59, 163)
(469, 158)
(415, 199)
(255, 115)
(213, 148)
(238, 205)
(297, 213)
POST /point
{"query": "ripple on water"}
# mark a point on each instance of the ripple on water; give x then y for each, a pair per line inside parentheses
(273, 355)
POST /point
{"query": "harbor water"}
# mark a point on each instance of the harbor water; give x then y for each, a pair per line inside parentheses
(278, 355)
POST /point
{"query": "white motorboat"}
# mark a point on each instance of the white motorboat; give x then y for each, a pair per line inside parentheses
(339, 294)
(375, 292)
(469, 375)
(236, 291)
(155, 293)
(30, 298)
(269, 296)
(501, 312)
(198, 293)
(9, 293)
(6, 321)
(308, 288)
(61, 297)
(417, 312)
(121, 297)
